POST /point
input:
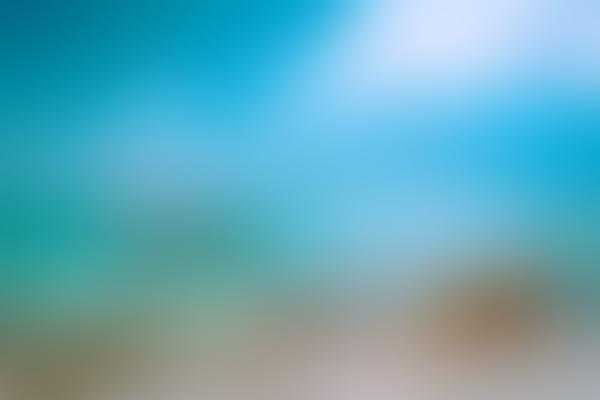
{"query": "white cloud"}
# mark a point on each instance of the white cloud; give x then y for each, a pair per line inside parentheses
(394, 46)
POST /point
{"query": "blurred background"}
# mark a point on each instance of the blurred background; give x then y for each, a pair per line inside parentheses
(299, 199)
